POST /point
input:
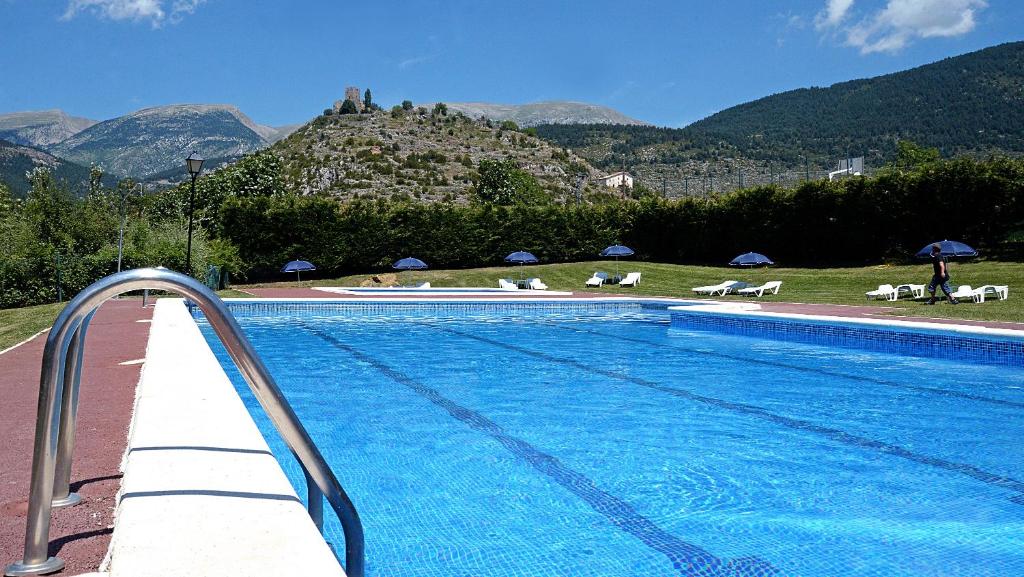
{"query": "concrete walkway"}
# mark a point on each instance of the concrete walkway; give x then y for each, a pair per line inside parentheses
(79, 534)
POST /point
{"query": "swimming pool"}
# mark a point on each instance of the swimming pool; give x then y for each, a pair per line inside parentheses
(588, 440)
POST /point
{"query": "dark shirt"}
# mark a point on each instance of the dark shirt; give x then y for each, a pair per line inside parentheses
(936, 269)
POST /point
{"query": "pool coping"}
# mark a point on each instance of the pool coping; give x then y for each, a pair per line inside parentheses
(201, 493)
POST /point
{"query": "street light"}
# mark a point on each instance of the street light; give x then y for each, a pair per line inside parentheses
(194, 162)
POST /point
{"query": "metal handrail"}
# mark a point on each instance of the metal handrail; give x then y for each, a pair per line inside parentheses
(58, 400)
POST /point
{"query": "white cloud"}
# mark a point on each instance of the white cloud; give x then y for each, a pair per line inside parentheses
(833, 14)
(900, 22)
(135, 10)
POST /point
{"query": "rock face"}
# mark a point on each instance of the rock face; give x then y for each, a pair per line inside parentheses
(156, 139)
(551, 112)
(41, 128)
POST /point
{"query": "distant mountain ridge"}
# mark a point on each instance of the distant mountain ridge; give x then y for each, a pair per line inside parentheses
(41, 128)
(548, 112)
(967, 104)
(155, 139)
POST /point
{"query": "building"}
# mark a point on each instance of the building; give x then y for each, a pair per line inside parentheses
(617, 179)
(848, 167)
(352, 93)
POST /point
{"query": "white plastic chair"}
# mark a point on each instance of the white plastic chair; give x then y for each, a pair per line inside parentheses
(721, 289)
(1000, 290)
(632, 279)
(772, 286)
(965, 291)
(886, 291)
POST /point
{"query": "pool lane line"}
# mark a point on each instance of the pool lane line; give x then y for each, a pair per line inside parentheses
(837, 435)
(689, 559)
(819, 371)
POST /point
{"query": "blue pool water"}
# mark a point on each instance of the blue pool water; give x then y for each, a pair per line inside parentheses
(610, 443)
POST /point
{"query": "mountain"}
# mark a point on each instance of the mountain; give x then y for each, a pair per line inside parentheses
(551, 112)
(16, 160)
(965, 104)
(414, 154)
(968, 104)
(156, 139)
(40, 128)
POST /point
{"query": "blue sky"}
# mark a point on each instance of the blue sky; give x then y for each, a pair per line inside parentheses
(667, 62)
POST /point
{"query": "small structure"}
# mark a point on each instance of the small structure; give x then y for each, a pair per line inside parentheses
(617, 179)
(352, 93)
(848, 167)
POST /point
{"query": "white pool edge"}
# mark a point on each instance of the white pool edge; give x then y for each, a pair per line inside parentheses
(201, 493)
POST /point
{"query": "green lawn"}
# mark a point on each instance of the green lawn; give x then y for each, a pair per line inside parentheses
(800, 285)
(17, 325)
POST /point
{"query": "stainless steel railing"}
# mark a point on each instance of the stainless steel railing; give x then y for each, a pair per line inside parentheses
(58, 407)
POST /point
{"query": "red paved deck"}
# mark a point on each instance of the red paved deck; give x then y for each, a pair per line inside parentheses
(80, 534)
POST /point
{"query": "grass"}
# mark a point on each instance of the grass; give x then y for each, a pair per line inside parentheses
(844, 286)
(19, 324)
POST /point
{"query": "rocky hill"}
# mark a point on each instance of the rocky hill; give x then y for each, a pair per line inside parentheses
(415, 154)
(40, 128)
(550, 112)
(157, 139)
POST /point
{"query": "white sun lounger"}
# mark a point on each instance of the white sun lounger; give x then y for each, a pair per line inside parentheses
(537, 285)
(916, 290)
(507, 284)
(598, 279)
(965, 291)
(772, 287)
(886, 291)
(632, 279)
(1000, 290)
(721, 289)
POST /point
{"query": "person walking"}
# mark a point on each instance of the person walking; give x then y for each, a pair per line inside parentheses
(940, 276)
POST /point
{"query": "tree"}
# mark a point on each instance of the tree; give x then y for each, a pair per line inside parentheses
(910, 154)
(440, 109)
(348, 107)
(367, 100)
(509, 125)
(397, 112)
(502, 182)
(328, 112)
(407, 105)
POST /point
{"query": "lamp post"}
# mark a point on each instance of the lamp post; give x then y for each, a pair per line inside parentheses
(194, 162)
(120, 233)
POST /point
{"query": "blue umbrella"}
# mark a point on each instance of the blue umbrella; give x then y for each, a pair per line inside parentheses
(617, 250)
(751, 259)
(296, 266)
(521, 256)
(950, 249)
(409, 263)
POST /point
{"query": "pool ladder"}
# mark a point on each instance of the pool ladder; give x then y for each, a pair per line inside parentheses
(58, 406)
